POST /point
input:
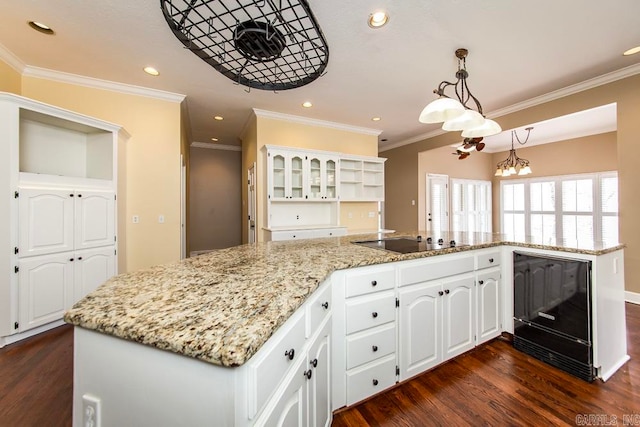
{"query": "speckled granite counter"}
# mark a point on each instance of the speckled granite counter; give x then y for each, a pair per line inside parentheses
(221, 307)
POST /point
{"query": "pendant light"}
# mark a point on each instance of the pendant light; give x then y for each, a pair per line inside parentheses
(513, 164)
(456, 114)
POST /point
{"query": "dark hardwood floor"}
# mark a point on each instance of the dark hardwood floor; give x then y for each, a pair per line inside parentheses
(491, 385)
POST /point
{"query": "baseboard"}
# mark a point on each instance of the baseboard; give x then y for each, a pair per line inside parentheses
(604, 376)
(632, 297)
(10, 339)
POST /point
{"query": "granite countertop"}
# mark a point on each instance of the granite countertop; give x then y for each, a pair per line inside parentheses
(222, 306)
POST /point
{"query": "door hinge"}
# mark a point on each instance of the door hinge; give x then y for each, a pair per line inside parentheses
(16, 269)
(114, 239)
(397, 302)
(397, 370)
(115, 197)
(115, 252)
(16, 325)
(16, 250)
(16, 194)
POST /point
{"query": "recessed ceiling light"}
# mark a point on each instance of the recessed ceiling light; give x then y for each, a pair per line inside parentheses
(151, 71)
(375, 119)
(218, 118)
(378, 19)
(39, 26)
(632, 51)
(307, 104)
(214, 139)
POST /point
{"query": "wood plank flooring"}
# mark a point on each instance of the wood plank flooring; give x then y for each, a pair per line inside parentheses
(491, 385)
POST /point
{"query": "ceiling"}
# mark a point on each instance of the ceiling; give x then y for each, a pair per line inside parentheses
(518, 50)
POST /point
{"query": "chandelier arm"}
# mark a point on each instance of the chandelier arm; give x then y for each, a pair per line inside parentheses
(442, 86)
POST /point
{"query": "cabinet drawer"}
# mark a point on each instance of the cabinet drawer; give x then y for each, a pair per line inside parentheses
(318, 308)
(369, 279)
(271, 365)
(425, 270)
(371, 345)
(369, 311)
(488, 259)
(371, 379)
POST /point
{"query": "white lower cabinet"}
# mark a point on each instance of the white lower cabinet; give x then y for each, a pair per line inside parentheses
(50, 284)
(489, 307)
(437, 322)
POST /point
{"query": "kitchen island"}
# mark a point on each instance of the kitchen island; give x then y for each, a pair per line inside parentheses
(218, 315)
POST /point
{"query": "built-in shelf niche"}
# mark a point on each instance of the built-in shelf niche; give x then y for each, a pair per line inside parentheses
(361, 180)
(55, 146)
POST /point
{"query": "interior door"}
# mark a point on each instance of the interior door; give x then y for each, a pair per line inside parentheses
(251, 202)
(437, 204)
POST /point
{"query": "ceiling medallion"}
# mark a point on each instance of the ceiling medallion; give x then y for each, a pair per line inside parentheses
(268, 44)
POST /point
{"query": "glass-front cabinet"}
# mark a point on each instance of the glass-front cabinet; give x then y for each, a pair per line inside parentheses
(322, 177)
(286, 175)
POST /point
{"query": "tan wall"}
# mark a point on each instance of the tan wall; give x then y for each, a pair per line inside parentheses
(278, 132)
(153, 162)
(402, 166)
(215, 183)
(10, 79)
(441, 161)
(596, 153)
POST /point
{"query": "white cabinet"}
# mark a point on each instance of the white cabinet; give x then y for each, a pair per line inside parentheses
(437, 322)
(60, 170)
(92, 267)
(319, 379)
(488, 297)
(323, 177)
(63, 219)
(361, 179)
(286, 175)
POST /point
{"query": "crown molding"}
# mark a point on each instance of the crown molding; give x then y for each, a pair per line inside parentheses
(213, 146)
(13, 61)
(91, 82)
(604, 79)
(315, 122)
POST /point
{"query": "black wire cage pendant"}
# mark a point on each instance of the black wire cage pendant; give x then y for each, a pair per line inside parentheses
(267, 44)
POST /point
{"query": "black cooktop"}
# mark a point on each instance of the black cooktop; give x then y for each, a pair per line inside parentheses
(405, 245)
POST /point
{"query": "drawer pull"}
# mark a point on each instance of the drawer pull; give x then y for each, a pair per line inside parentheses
(374, 282)
(440, 293)
(308, 374)
(374, 348)
(490, 259)
(290, 354)
(314, 363)
(481, 282)
(325, 305)
(374, 314)
(375, 382)
(446, 291)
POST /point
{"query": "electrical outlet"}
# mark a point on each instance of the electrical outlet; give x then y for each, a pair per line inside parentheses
(90, 411)
(135, 219)
(161, 219)
(372, 214)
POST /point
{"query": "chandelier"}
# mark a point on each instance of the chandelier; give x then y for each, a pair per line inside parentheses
(456, 114)
(513, 164)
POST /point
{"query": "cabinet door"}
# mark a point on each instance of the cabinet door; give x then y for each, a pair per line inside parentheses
(420, 328)
(315, 181)
(277, 176)
(458, 316)
(488, 305)
(290, 409)
(94, 219)
(92, 267)
(295, 170)
(330, 177)
(320, 383)
(46, 289)
(45, 221)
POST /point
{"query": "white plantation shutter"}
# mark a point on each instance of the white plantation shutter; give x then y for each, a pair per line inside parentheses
(609, 207)
(437, 203)
(471, 205)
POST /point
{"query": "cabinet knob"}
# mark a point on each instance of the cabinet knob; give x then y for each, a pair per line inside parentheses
(481, 282)
(71, 195)
(79, 258)
(374, 348)
(490, 259)
(446, 291)
(79, 195)
(374, 282)
(290, 354)
(308, 374)
(70, 259)
(375, 382)
(440, 293)
(325, 305)
(314, 363)
(374, 314)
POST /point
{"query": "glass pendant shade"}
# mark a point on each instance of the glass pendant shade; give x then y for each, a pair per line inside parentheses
(489, 127)
(470, 119)
(512, 170)
(498, 172)
(525, 170)
(441, 110)
(506, 172)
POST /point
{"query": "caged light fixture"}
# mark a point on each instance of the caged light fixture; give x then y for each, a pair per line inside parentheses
(513, 164)
(456, 114)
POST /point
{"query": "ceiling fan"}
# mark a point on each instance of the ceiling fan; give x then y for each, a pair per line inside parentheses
(467, 146)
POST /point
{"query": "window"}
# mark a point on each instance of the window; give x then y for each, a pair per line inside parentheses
(572, 207)
(471, 206)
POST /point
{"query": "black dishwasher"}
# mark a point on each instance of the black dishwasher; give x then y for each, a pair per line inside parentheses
(552, 311)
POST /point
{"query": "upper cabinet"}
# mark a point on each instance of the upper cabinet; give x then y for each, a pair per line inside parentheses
(322, 183)
(361, 179)
(286, 175)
